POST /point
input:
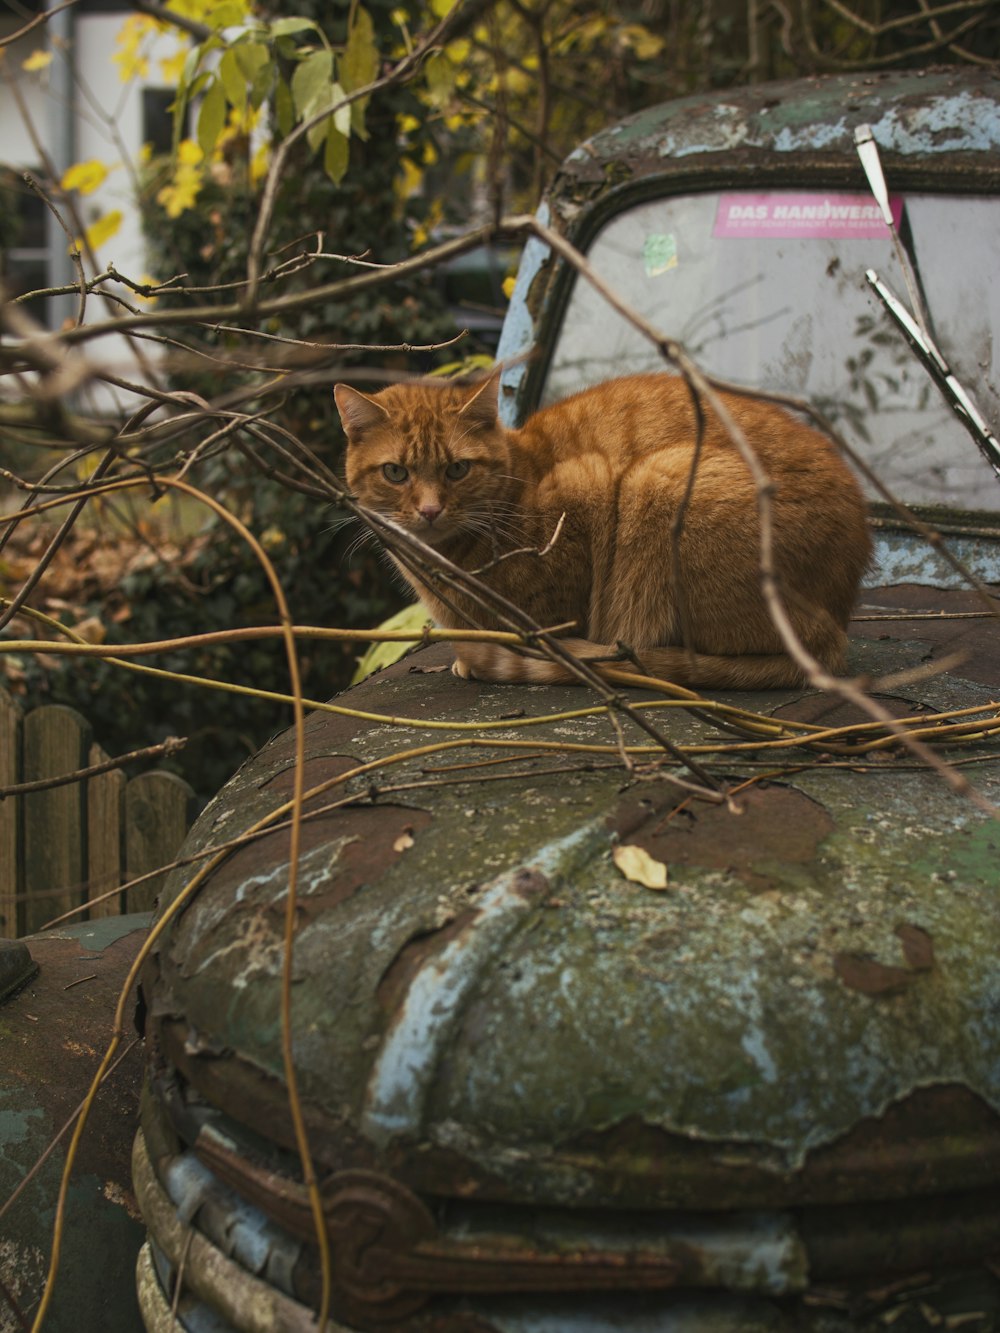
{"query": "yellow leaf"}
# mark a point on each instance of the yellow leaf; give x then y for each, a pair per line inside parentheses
(440, 78)
(260, 164)
(37, 60)
(103, 229)
(509, 284)
(189, 153)
(409, 179)
(204, 11)
(130, 57)
(176, 198)
(407, 124)
(84, 176)
(442, 7)
(380, 655)
(171, 67)
(638, 866)
(645, 44)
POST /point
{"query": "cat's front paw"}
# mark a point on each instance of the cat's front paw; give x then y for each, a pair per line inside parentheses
(461, 669)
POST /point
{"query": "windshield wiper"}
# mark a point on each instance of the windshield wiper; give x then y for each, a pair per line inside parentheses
(915, 328)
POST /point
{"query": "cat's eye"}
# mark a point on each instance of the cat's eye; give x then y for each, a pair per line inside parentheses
(458, 469)
(394, 472)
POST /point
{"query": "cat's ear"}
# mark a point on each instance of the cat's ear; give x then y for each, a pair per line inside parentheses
(357, 411)
(481, 409)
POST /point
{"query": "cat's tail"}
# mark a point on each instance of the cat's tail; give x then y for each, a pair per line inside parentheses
(765, 671)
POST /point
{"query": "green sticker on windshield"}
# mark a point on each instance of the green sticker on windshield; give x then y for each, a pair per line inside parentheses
(659, 254)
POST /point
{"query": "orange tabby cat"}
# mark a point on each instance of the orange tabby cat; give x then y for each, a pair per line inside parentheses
(615, 460)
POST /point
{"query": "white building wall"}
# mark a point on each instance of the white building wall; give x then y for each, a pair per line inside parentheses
(107, 125)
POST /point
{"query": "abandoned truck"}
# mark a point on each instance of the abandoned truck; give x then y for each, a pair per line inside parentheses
(539, 1094)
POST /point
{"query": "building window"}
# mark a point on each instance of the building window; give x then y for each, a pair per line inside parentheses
(24, 253)
(158, 119)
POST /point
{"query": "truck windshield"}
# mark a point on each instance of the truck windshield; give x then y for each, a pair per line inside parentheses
(768, 290)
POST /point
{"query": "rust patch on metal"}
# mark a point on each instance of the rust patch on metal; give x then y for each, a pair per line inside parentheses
(937, 1140)
(918, 946)
(863, 973)
(775, 823)
(364, 841)
(869, 976)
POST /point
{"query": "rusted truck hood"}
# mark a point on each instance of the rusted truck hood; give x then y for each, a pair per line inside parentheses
(485, 1005)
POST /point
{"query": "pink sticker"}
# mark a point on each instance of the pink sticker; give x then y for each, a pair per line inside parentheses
(833, 215)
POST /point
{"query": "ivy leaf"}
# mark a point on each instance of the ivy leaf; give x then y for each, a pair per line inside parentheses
(260, 88)
(254, 61)
(232, 79)
(189, 87)
(284, 108)
(310, 81)
(336, 153)
(359, 65)
(211, 117)
(332, 100)
(226, 15)
(183, 94)
(316, 134)
(440, 76)
(342, 115)
(285, 27)
(637, 865)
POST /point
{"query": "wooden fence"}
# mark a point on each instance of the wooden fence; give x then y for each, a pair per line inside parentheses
(69, 845)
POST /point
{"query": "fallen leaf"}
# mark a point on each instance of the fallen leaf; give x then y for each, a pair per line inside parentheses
(91, 630)
(638, 866)
(404, 840)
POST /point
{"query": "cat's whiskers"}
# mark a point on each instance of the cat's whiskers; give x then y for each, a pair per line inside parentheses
(454, 441)
(365, 537)
(339, 522)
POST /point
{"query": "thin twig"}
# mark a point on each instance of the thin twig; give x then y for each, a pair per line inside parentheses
(172, 745)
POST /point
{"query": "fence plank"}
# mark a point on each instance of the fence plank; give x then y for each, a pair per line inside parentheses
(158, 811)
(105, 821)
(10, 773)
(55, 742)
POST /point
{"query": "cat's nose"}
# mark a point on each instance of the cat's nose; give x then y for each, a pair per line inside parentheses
(429, 512)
